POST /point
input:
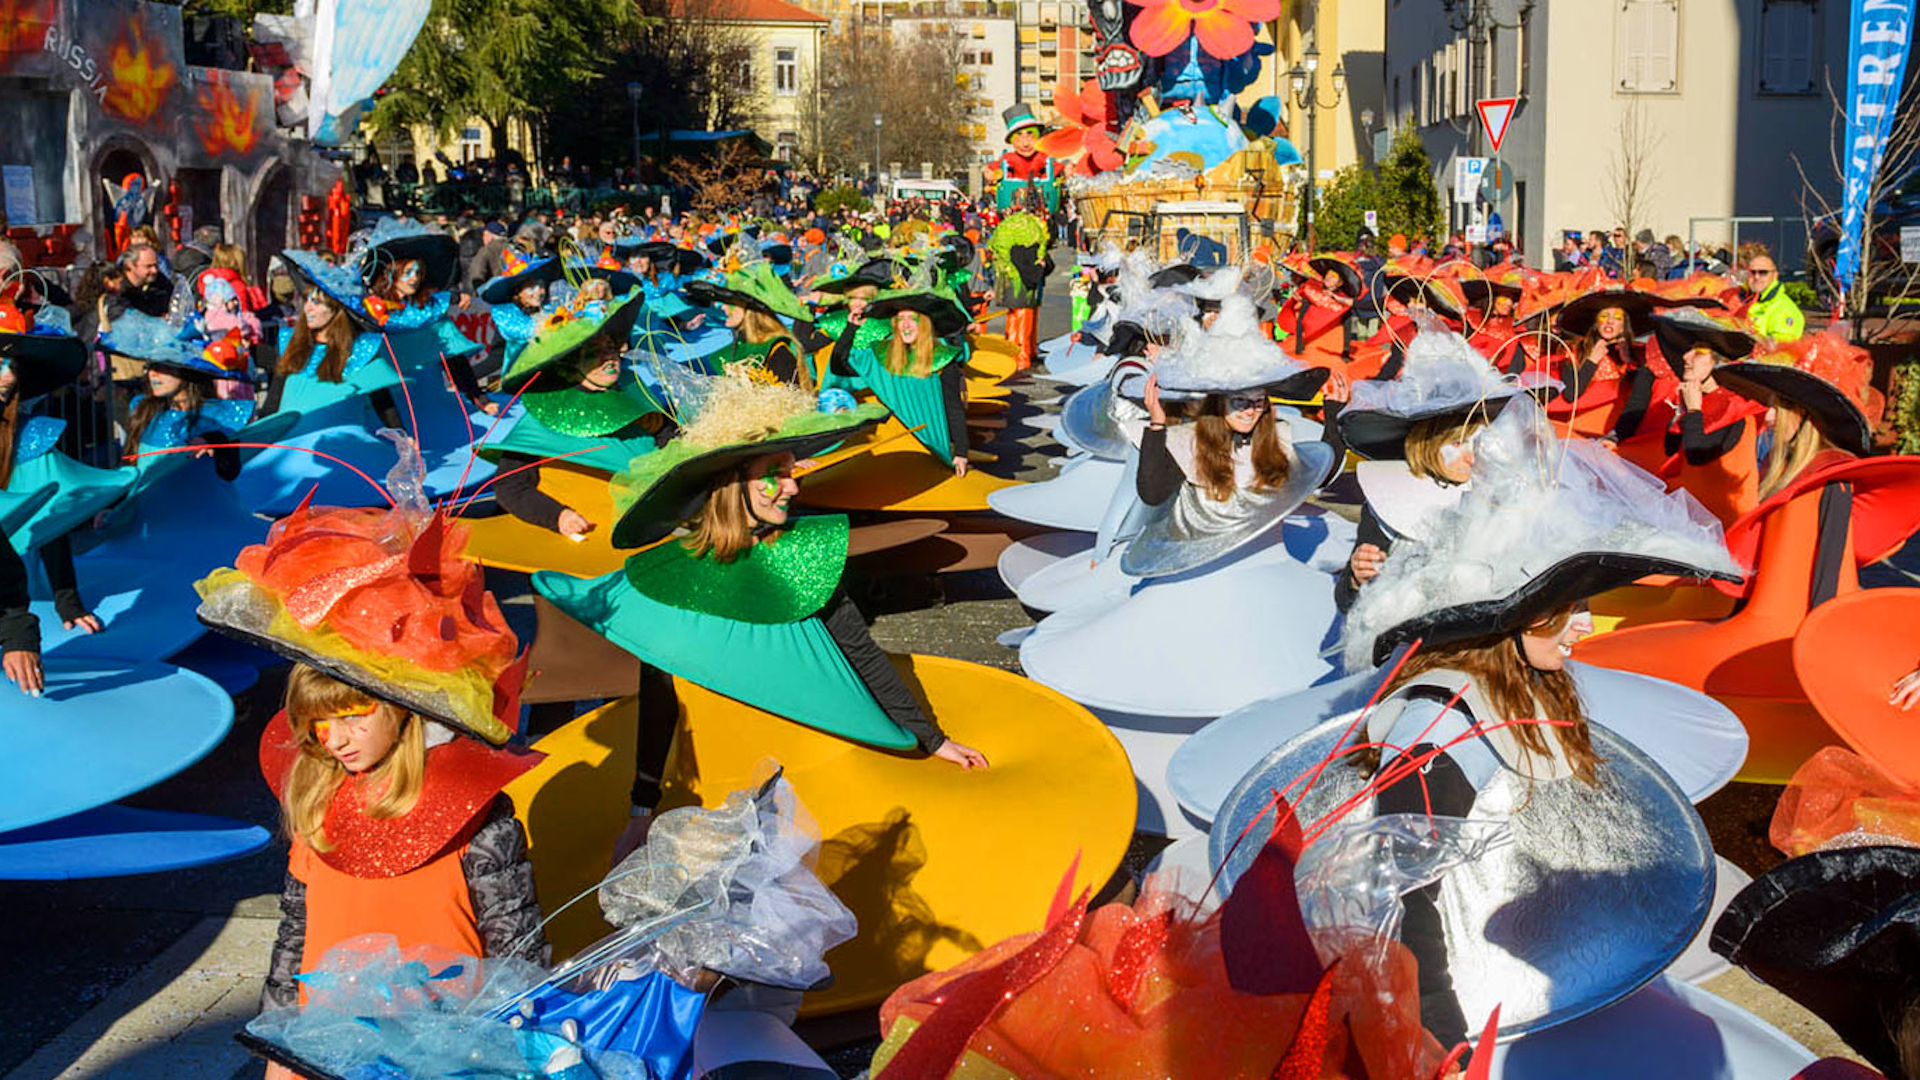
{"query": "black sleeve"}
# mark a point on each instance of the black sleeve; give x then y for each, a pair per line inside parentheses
(382, 402)
(226, 457)
(1581, 378)
(953, 380)
(1330, 432)
(1345, 589)
(784, 361)
(289, 941)
(849, 629)
(811, 339)
(837, 361)
(1028, 262)
(464, 379)
(1700, 445)
(274, 391)
(500, 884)
(1832, 548)
(1396, 359)
(1639, 400)
(659, 717)
(56, 558)
(1159, 478)
(19, 628)
(1445, 791)
(519, 494)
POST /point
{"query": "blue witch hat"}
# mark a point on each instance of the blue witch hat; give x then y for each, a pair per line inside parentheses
(183, 347)
(501, 289)
(44, 358)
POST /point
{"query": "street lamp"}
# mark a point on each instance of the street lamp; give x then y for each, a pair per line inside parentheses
(633, 96)
(1306, 95)
(876, 151)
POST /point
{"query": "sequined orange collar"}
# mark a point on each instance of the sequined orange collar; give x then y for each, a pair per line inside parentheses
(462, 778)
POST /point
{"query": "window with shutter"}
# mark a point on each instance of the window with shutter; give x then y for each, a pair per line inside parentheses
(1787, 30)
(1649, 46)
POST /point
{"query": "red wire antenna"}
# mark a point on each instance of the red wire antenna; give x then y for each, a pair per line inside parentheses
(273, 446)
(473, 448)
(465, 506)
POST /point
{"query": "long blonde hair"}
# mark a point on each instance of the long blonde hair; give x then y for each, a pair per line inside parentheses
(757, 327)
(725, 526)
(1792, 450)
(916, 359)
(1213, 450)
(1426, 437)
(316, 775)
(1516, 689)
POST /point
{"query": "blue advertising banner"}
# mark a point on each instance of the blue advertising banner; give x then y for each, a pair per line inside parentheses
(1880, 33)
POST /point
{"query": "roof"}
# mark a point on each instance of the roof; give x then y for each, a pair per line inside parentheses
(749, 11)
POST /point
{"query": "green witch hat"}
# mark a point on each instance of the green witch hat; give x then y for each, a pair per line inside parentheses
(736, 419)
(561, 337)
(756, 286)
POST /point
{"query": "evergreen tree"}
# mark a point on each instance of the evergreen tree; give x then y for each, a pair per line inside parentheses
(1340, 217)
(1409, 202)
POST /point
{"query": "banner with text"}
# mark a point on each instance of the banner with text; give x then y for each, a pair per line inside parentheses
(1880, 33)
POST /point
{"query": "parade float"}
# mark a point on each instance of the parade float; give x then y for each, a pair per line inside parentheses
(1156, 149)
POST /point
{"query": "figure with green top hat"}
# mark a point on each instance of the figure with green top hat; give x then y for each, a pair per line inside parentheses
(1023, 167)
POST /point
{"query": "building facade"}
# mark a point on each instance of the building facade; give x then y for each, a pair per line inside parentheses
(1709, 102)
(784, 44)
(988, 71)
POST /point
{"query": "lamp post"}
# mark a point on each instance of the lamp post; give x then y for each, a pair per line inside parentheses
(633, 97)
(1303, 80)
(876, 152)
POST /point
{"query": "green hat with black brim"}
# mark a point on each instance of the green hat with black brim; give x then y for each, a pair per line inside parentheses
(938, 305)
(757, 287)
(553, 349)
(661, 491)
(878, 273)
(42, 361)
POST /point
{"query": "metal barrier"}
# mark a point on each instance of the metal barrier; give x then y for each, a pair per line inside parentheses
(496, 200)
(1785, 238)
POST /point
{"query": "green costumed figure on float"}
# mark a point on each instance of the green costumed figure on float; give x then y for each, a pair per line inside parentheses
(1021, 263)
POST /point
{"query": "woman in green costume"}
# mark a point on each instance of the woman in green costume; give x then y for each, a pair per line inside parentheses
(579, 396)
(748, 603)
(754, 300)
(901, 352)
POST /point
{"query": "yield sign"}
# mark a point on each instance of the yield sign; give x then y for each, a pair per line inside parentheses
(1495, 115)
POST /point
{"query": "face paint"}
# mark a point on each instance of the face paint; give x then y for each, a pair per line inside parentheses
(354, 717)
(1451, 453)
(770, 485)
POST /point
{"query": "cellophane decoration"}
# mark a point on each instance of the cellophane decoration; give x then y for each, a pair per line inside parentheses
(1838, 799)
(771, 920)
(1351, 879)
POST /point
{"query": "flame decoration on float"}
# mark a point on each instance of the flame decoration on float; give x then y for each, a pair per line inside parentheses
(138, 83)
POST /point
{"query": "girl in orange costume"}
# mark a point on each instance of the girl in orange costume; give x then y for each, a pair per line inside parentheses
(1321, 305)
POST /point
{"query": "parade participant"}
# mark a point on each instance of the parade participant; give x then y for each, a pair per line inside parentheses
(383, 759)
(1712, 438)
(1407, 285)
(1023, 177)
(51, 494)
(1774, 315)
(754, 301)
(180, 406)
(1493, 299)
(1329, 284)
(902, 354)
(399, 285)
(324, 360)
(749, 603)
(579, 395)
(1021, 262)
(515, 302)
(1416, 433)
(1494, 597)
(1609, 383)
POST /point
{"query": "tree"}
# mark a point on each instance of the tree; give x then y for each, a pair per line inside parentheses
(1884, 288)
(724, 181)
(499, 59)
(913, 82)
(1409, 202)
(1340, 219)
(1630, 174)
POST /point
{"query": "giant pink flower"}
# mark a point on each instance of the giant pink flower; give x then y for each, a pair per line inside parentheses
(1082, 136)
(1224, 27)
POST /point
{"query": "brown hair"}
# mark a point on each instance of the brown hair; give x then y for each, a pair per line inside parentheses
(194, 391)
(338, 336)
(757, 327)
(724, 528)
(1792, 450)
(316, 774)
(1213, 450)
(9, 435)
(385, 279)
(916, 359)
(1426, 437)
(1516, 689)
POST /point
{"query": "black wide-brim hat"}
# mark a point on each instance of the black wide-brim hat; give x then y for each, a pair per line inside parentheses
(1178, 274)
(658, 251)
(1577, 316)
(687, 260)
(1838, 932)
(1683, 329)
(1480, 292)
(1382, 436)
(503, 289)
(1298, 386)
(948, 318)
(42, 363)
(1349, 272)
(1572, 579)
(438, 253)
(879, 273)
(703, 293)
(1839, 416)
(676, 496)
